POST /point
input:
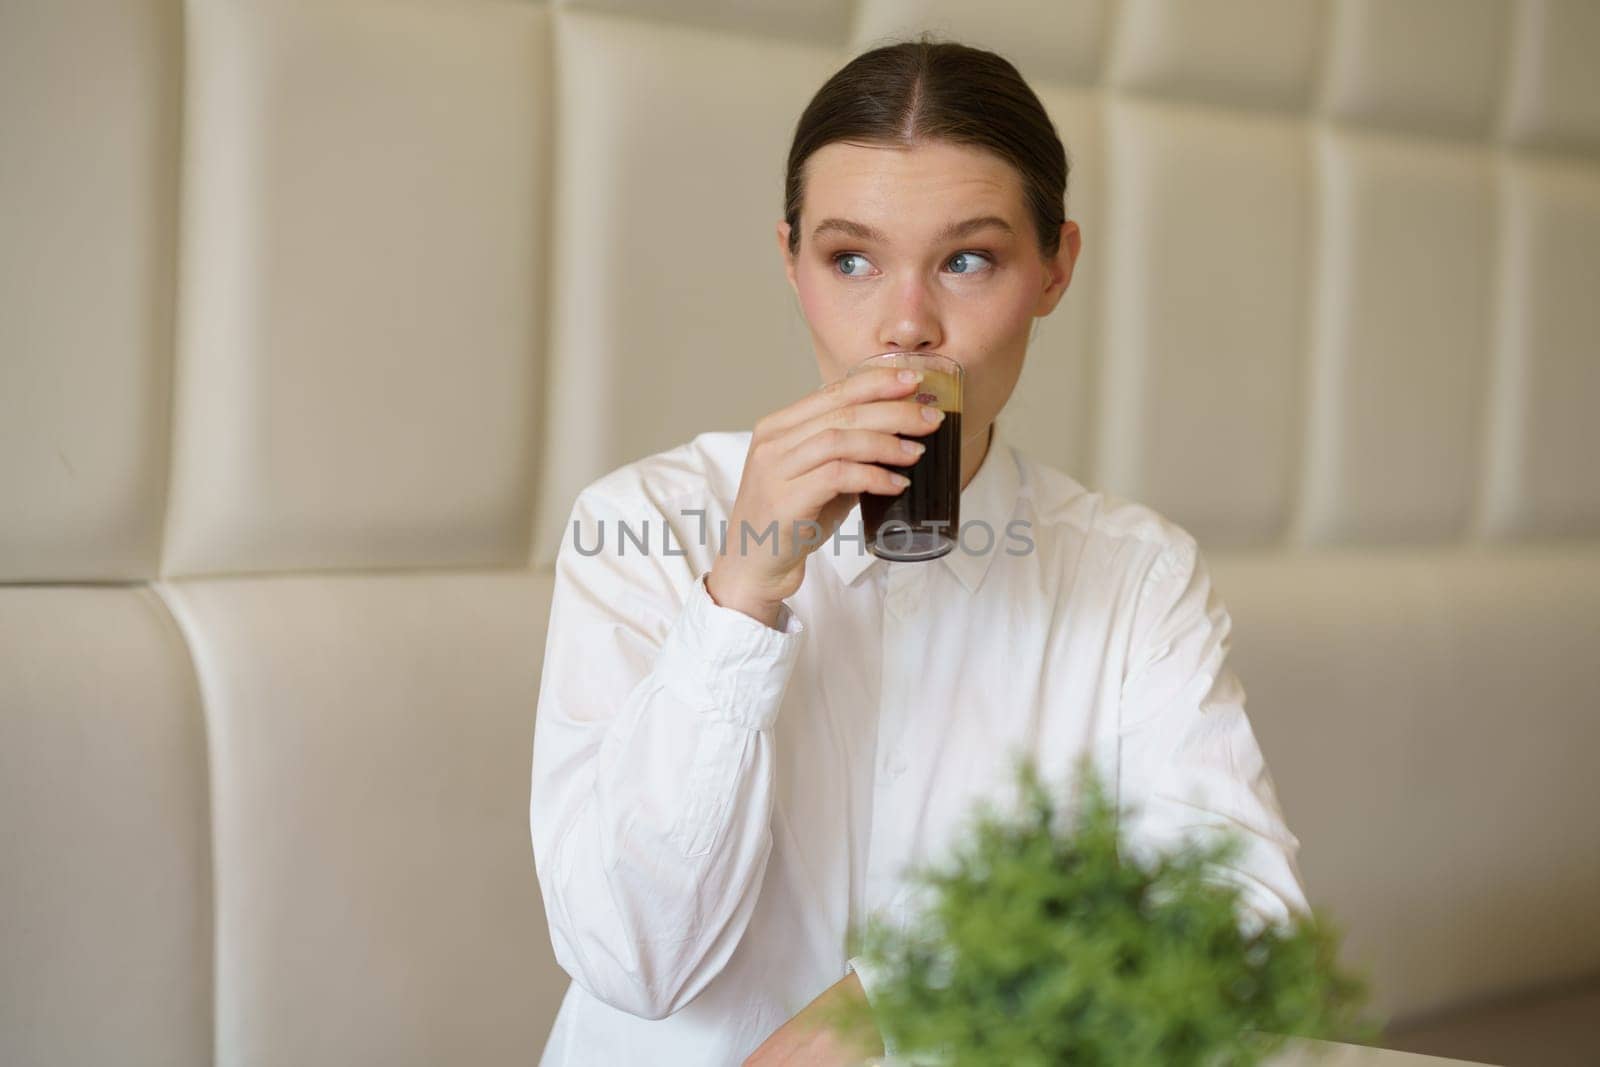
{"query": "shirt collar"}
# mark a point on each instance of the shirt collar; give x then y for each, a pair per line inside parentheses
(990, 498)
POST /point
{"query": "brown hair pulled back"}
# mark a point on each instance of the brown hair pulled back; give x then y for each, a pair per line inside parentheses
(921, 90)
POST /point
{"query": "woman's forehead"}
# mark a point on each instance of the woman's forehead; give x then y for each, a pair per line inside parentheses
(928, 185)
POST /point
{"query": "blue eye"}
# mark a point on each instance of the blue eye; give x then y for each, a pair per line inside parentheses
(970, 255)
(969, 261)
(841, 257)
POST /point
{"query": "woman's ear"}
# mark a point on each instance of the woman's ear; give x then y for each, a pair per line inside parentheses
(1058, 268)
(788, 260)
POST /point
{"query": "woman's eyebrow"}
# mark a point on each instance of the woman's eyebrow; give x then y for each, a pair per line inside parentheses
(862, 232)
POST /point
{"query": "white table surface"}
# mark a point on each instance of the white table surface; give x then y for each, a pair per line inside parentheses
(1302, 1052)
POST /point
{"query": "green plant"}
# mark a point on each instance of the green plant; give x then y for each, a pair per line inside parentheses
(1041, 947)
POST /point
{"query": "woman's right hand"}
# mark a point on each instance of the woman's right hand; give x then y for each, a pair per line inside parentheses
(808, 464)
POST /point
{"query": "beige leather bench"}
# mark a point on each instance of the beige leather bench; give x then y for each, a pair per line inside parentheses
(314, 317)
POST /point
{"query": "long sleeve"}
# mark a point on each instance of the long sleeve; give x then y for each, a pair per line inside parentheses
(1189, 763)
(652, 786)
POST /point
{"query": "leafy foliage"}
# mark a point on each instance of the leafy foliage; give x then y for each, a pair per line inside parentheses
(1041, 947)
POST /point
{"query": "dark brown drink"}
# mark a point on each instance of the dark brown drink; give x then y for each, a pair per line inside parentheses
(921, 522)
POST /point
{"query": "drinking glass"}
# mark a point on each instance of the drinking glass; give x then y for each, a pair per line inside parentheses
(921, 522)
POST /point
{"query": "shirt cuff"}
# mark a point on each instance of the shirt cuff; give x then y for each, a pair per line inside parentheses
(726, 664)
(870, 976)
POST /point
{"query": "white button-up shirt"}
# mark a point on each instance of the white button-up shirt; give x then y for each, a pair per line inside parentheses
(716, 802)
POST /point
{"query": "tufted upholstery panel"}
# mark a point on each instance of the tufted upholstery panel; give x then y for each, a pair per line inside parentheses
(368, 740)
(105, 878)
(315, 316)
(357, 383)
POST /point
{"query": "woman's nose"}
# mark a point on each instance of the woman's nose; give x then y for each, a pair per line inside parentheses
(911, 321)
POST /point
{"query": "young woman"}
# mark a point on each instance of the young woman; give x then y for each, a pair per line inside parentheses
(739, 747)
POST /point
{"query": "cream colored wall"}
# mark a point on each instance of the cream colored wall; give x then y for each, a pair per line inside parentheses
(314, 317)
